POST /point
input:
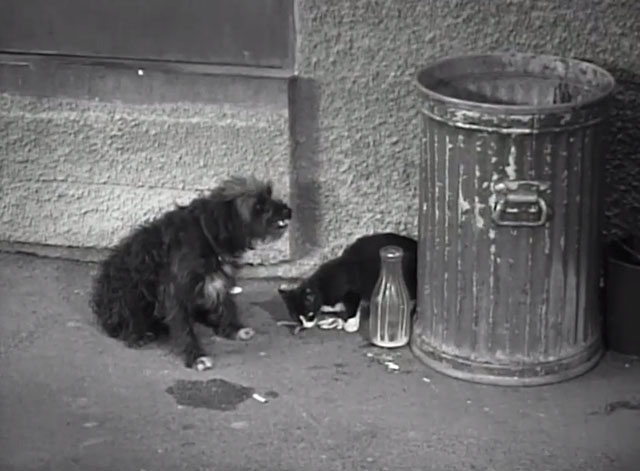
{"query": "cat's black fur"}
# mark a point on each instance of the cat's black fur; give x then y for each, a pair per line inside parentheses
(349, 278)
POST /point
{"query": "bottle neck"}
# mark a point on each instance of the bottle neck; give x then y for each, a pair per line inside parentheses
(391, 266)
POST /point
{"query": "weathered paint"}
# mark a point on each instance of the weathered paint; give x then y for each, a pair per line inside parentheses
(510, 304)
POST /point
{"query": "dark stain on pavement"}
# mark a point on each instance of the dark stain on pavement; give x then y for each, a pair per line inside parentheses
(611, 407)
(214, 394)
(614, 406)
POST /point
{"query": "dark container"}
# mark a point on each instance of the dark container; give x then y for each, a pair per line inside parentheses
(510, 217)
(622, 320)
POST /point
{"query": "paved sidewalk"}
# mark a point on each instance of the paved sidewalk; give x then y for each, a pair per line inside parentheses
(73, 399)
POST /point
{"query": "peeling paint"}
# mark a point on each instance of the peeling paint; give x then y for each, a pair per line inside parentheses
(463, 204)
(510, 169)
(437, 186)
(547, 241)
(478, 207)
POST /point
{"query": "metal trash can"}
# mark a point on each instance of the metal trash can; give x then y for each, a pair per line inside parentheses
(510, 215)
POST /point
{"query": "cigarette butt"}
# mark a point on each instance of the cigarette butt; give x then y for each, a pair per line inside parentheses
(426, 380)
(259, 398)
(392, 366)
(235, 290)
(287, 323)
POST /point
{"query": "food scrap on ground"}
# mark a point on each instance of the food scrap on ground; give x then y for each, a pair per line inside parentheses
(386, 359)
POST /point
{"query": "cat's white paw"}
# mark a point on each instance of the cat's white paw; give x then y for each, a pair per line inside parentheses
(246, 333)
(203, 363)
(352, 325)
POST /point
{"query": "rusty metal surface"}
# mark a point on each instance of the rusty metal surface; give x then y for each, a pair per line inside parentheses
(510, 185)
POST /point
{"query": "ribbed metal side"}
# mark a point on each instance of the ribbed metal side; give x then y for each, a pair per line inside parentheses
(509, 305)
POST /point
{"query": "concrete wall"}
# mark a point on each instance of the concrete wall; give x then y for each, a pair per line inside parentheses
(352, 114)
(115, 147)
(357, 60)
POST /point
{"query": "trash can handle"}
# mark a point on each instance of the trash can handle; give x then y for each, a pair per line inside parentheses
(515, 201)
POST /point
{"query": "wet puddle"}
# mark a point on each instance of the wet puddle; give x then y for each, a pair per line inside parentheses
(213, 394)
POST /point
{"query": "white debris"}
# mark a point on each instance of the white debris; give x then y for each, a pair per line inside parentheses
(392, 366)
(140, 72)
(236, 290)
(426, 380)
(259, 398)
(331, 323)
(286, 323)
(93, 441)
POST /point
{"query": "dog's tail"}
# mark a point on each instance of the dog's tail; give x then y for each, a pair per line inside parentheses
(107, 303)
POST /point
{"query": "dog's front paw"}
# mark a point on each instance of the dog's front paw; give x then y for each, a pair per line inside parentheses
(203, 363)
(246, 333)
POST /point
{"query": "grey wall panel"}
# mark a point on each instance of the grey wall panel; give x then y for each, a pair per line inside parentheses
(228, 32)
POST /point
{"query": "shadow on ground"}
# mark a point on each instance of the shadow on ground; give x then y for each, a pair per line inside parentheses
(73, 399)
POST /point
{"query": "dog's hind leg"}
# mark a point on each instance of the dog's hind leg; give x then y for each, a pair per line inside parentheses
(139, 331)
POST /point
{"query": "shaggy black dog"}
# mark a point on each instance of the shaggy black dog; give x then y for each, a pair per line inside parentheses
(177, 270)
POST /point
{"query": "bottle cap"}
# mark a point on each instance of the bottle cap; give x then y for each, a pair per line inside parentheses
(391, 252)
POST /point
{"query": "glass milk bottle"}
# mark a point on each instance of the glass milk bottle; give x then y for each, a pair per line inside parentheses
(390, 306)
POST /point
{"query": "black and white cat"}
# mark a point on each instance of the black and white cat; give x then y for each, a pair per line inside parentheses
(348, 279)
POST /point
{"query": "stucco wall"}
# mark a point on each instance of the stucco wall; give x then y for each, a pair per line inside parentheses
(359, 139)
(114, 148)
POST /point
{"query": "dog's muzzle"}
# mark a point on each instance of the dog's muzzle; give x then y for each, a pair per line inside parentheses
(283, 217)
